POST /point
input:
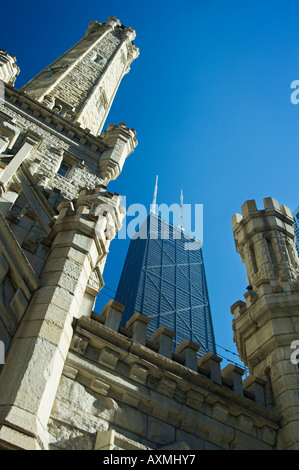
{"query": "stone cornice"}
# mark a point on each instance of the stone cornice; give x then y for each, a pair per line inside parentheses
(144, 362)
(51, 119)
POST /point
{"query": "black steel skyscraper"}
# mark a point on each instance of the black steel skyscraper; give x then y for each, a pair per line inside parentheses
(166, 282)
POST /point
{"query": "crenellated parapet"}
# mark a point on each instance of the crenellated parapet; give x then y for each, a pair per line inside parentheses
(265, 239)
(185, 354)
(150, 397)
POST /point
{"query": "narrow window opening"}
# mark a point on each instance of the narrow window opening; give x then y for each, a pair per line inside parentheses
(57, 108)
(271, 251)
(291, 255)
(253, 259)
(98, 59)
(64, 169)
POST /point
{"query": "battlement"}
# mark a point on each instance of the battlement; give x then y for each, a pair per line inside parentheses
(265, 239)
(266, 324)
(185, 354)
(165, 397)
(272, 215)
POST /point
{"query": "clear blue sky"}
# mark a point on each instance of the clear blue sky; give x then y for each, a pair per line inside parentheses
(209, 97)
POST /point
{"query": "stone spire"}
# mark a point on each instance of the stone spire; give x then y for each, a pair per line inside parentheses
(81, 84)
(154, 203)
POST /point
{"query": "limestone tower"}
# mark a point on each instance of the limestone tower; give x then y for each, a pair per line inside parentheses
(267, 324)
(56, 216)
(81, 84)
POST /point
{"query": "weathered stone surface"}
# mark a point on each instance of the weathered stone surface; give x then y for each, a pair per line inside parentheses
(207, 415)
(56, 217)
(265, 326)
(76, 380)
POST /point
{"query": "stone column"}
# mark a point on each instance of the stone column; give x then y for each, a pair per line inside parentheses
(30, 142)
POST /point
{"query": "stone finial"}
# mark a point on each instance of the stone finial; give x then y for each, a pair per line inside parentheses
(103, 208)
(95, 25)
(256, 386)
(234, 373)
(113, 21)
(8, 67)
(94, 215)
(163, 337)
(129, 33)
(210, 363)
(112, 313)
(188, 351)
(138, 325)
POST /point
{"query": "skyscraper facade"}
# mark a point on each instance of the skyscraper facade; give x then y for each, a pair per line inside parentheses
(296, 220)
(164, 279)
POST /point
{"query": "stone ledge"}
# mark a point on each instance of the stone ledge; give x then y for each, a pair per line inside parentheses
(50, 118)
(146, 364)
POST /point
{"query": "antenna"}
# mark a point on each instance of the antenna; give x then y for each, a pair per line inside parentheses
(181, 210)
(154, 204)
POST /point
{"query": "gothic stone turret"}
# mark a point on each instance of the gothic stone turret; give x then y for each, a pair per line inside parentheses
(267, 323)
(81, 84)
(8, 67)
(57, 218)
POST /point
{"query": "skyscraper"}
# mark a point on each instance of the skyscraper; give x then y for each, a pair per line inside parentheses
(165, 281)
(296, 220)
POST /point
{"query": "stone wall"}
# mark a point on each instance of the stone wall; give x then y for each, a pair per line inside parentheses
(73, 379)
(120, 391)
(57, 220)
(267, 323)
(81, 84)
